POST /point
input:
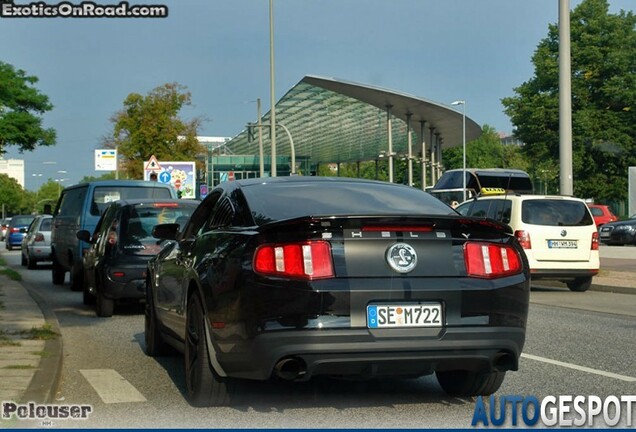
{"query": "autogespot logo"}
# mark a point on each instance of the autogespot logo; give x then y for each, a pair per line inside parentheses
(558, 411)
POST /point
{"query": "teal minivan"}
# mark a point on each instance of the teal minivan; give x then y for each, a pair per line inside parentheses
(79, 208)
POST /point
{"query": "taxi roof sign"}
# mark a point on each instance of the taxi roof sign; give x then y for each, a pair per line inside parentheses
(492, 191)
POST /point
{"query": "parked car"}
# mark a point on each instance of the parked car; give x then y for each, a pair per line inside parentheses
(4, 225)
(121, 245)
(17, 230)
(620, 232)
(602, 214)
(79, 208)
(557, 233)
(36, 245)
(296, 277)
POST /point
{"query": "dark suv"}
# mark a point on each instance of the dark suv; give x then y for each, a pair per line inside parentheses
(115, 264)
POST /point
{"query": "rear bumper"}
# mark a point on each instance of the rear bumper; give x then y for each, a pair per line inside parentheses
(40, 253)
(130, 286)
(368, 353)
(562, 274)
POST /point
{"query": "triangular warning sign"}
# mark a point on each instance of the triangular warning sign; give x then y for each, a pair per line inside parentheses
(152, 164)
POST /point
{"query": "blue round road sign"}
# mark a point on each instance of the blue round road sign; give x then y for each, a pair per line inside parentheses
(165, 177)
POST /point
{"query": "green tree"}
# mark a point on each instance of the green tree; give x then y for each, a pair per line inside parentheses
(603, 52)
(487, 151)
(13, 197)
(150, 125)
(21, 106)
(105, 176)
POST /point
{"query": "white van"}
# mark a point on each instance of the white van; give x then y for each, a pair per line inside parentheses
(557, 233)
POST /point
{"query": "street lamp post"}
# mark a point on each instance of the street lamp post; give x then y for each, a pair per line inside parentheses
(463, 104)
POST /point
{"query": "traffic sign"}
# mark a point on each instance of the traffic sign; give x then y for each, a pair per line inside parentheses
(152, 164)
(165, 177)
(230, 176)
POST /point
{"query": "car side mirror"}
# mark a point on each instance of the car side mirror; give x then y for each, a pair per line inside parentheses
(84, 235)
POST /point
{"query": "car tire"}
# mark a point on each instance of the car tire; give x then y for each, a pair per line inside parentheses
(57, 272)
(23, 260)
(9, 247)
(203, 386)
(88, 299)
(104, 307)
(580, 284)
(30, 263)
(77, 276)
(468, 383)
(155, 345)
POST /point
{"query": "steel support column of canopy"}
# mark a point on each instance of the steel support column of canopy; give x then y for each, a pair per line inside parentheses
(390, 141)
(410, 147)
(433, 155)
(424, 156)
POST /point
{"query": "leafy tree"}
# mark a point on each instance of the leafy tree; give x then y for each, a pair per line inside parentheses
(105, 176)
(603, 51)
(150, 125)
(12, 196)
(487, 151)
(20, 108)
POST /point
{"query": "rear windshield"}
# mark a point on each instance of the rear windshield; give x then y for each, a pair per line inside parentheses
(555, 213)
(136, 231)
(22, 220)
(104, 195)
(280, 201)
(46, 224)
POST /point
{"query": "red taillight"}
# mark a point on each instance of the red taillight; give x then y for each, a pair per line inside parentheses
(15, 230)
(112, 237)
(490, 260)
(119, 274)
(307, 260)
(39, 237)
(524, 239)
(594, 240)
(160, 204)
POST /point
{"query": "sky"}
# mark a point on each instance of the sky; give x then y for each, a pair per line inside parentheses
(441, 50)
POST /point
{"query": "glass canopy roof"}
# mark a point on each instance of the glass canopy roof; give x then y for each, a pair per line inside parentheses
(333, 121)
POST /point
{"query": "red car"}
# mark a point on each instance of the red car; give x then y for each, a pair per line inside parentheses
(602, 214)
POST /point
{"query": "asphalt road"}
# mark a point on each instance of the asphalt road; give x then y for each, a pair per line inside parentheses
(105, 367)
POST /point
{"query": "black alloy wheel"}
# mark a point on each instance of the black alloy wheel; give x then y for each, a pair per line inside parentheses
(204, 387)
(57, 272)
(77, 276)
(104, 307)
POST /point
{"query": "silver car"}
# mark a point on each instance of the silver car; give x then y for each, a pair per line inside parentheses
(36, 245)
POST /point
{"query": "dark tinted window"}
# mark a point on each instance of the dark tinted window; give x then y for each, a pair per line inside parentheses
(46, 224)
(596, 211)
(104, 195)
(555, 213)
(279, 201)
(137, 229)
(497, 209)
(21, 220)
(72, 202)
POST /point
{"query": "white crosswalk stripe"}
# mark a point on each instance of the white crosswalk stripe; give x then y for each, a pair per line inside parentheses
(112, 387)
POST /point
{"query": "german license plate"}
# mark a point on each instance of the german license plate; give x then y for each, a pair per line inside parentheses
(605, 233)
(414, 315)
(562, 244)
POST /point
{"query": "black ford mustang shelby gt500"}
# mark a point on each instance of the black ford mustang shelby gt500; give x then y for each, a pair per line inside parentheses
(302, 276)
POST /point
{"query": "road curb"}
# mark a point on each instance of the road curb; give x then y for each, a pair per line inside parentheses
(612, 289)
(46, 380)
